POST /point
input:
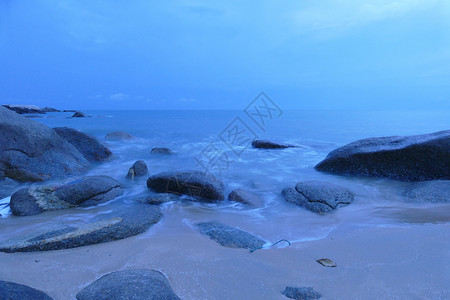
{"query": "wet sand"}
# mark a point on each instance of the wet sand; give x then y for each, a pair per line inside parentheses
(377, 262)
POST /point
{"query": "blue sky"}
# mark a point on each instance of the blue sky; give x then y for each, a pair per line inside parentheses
(328, 54)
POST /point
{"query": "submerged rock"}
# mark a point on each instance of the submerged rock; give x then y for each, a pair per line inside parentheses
(88, 145)
(229, 236)
(119, 135)
(86, 191)
(429, 191)
(119, 224)
(261, 144)
(157, 199)
(301, 293)
(31, 151)
(138, 169)
(317, 196)
(161, 151)
(192, 183)
(244, 197)
(135, 284)
(14, 291)
(79, 114)
(410, 158)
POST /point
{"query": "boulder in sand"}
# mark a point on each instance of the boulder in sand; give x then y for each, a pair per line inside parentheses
(261, 144)
(318, 196)
(119, 135)
(14, 291)
(138, 169)
(410, 158)
(301, 293)
(429, 191)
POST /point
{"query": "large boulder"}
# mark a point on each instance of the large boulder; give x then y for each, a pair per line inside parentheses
(86, 191)
(138, 169)
(121, 223)
(410, 158)
(231, 237)
(317, 196)
(88, 145)
(429, 191)
(14, 291)
(135, 284)
(197, 184)
(31, 151)
(262, 144)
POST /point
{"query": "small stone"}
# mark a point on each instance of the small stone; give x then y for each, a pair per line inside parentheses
(261, 144)
(161, 151)
(327, 262)
(78, 114)
(301, 293)
(138, 169)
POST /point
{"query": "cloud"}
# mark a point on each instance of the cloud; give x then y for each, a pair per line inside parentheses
(119, 97)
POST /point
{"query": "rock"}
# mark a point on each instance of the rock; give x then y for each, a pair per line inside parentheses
(29, 109)
(119, 135)
(31, 151)
(86, 191)
(135, 284)
(138, 169)
(317, 196)
(157, 199)
(410, 158)
(161, 151)
(261, 144)
(429, 191)
(229, 236)
(50, 109)
(192, 183)
(88, 145)
(14, 291)
(244, 197)
(301, 293)
(79, 114)
(121, 223)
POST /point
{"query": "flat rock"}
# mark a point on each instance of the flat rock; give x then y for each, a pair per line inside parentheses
(119, 224)
(79, 114)
(301, 293)
(262, 144)
(138, 169)
(245, 197)
(161, 151)
(205, 187)
(410, 158)
(429, 191)
(318, 196)
(31, 151)
(135, 284)
(231, 237)
(87, 191)
(119, 135)
(14, 291)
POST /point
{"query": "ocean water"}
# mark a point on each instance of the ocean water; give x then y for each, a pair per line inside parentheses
(202, 136)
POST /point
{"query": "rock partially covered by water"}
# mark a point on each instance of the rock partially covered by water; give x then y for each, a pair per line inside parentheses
(261, 144)
(138, 169)
(14, 291)
(231, 237)
(86, 191)
(410, 158)
(192, 183)
(318, 196)
(161, 151)
(123, 222)
(79, 114)
(157, 199)
(129, 285)
(88, 145)
(301, 293)
(245, 197)
(429, 191)
(31, 151)
(119, 135)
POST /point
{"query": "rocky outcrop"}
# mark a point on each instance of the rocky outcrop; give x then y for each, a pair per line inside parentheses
(429, 191)
(119, 135)
(129, 284)
(138, 169)
(261, 144)
(161, 151)
(317, 196)
(205, 187)
(29, 109)
(30, 151)
(121, 223)
(14, 291)
(245, 197)
(86, 191)
(229, 236)
(88, 145)
(301, 293)
(410, 158)
(79, 114)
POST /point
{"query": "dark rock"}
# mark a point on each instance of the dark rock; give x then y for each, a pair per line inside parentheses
(411, 158)
(88, 145)
(244, 197)
(229, 236)
(33, 117)
(269, 145)
(50, 109)
(157, 199)
(317, 196)
(119, 224)
(119, 135)
(14, 291)
(25, 109)
(86, 191)
(138, 169)
(193, 183)
(301, 293)
(79, 114)
(429, 191)
(30, 151)
(133, 284)
(161, 151)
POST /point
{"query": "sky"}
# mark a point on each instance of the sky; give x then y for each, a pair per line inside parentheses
(199, 54)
